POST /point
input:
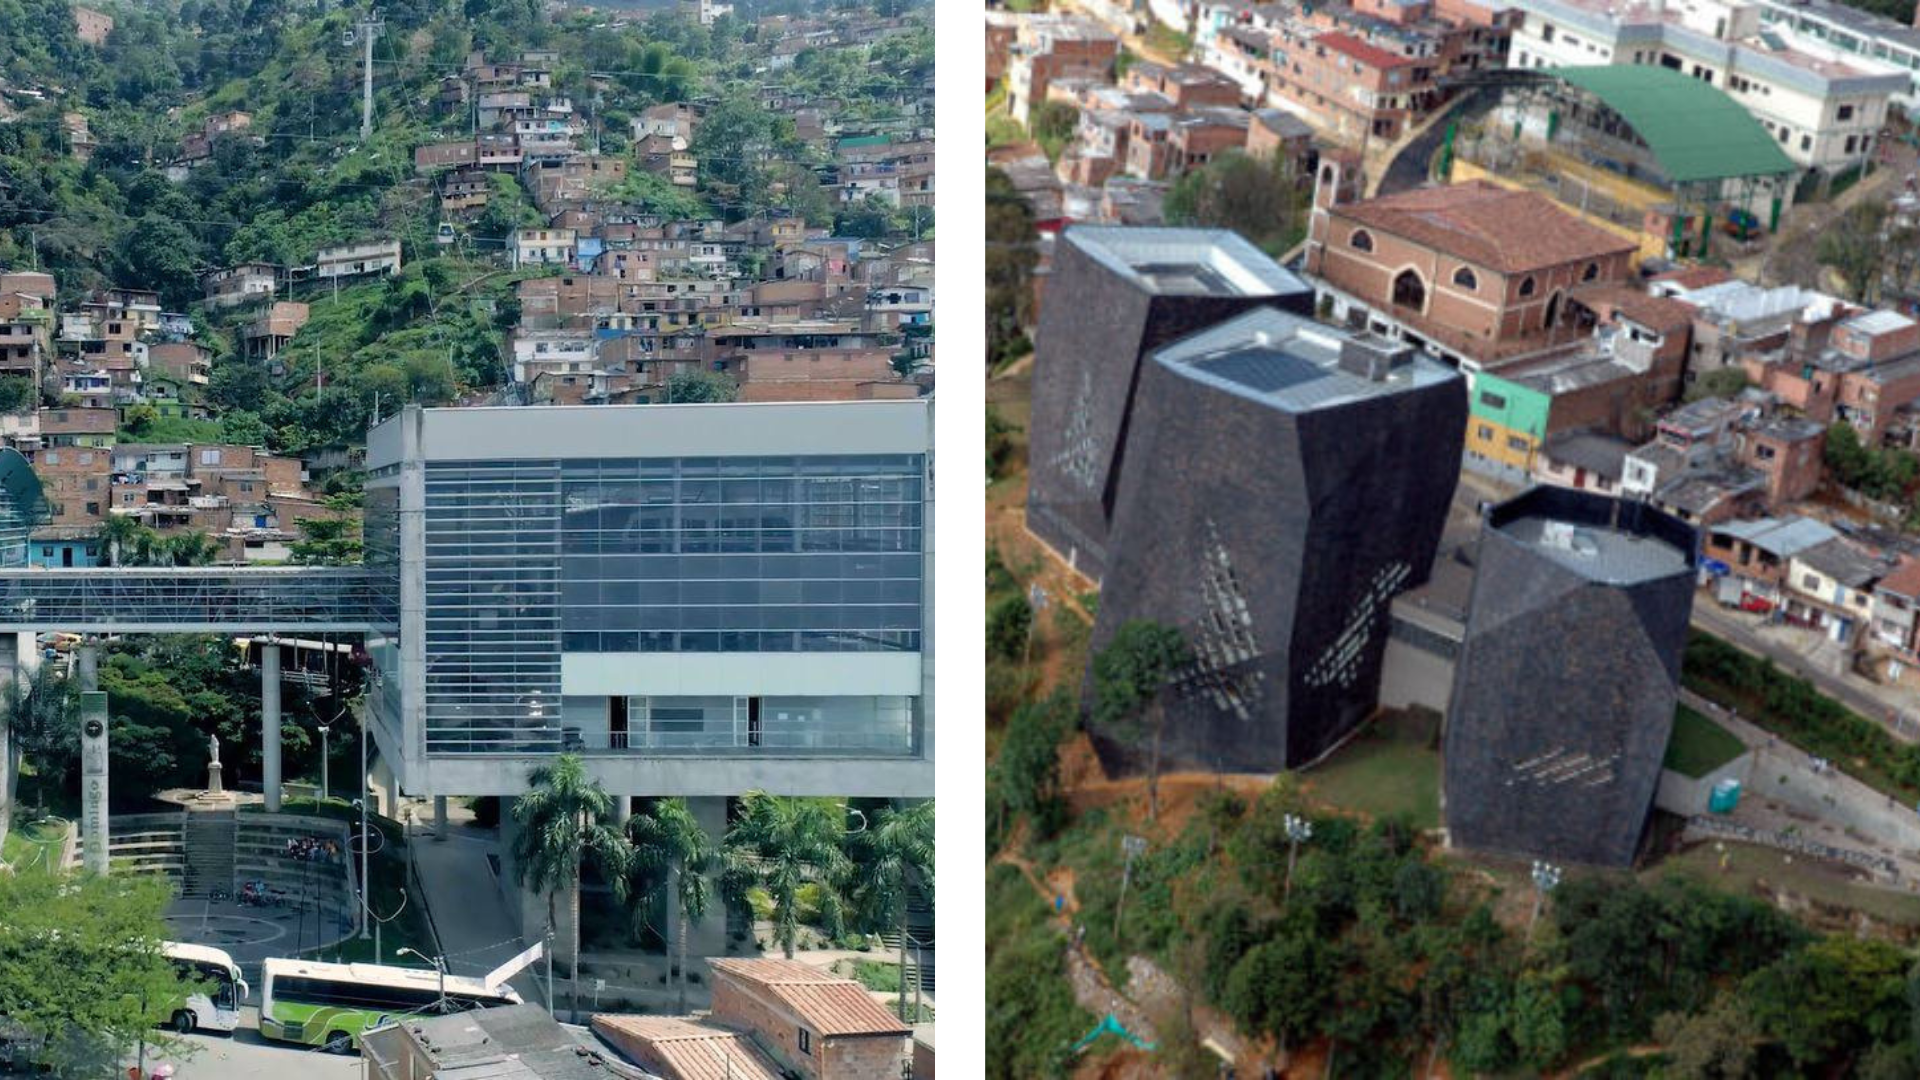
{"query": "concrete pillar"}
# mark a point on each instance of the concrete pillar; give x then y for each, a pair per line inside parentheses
(386, 788)
(622, 811)
(439, 817)
(93, 781)
(270, 724)
(87, 663)
(709, 935)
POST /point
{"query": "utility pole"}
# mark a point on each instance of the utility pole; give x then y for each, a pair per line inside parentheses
(365, 31)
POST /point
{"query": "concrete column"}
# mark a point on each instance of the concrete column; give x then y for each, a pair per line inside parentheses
(439, 817)
(622, 811)
(270, 724)
(93, 781)
(709, 935)
(88, 665)
(386, 788)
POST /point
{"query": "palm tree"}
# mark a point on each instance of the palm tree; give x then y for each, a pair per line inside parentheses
(887, 860)
(562, 827)
(123, 536)
(672, 856)
(782, 844)
(34, 711)
(188, 549)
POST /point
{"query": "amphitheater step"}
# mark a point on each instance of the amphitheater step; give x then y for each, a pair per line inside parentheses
(209, 839)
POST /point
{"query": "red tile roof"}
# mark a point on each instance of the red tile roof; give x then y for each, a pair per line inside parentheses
(826, 1003)
(1488, 225)
(1904, 581)
(683, 1049)
(1695, 277)
(1659, 313)
(1371, 55)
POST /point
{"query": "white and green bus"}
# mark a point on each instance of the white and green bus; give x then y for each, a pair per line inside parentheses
(217, 1006)
(330, 1005)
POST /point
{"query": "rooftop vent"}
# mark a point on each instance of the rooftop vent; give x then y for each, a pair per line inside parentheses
(1373, 357)
(1562, 536)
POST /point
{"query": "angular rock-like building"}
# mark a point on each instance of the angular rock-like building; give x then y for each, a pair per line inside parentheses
(1284, 480)
(1114, 295)
(1564, 692)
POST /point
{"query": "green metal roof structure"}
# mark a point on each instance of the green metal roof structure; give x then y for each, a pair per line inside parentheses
(22, 506)
(1695, 130)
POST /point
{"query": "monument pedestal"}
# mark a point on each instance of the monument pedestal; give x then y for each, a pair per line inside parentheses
(214, 786)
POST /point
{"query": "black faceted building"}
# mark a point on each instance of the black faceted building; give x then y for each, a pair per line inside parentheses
(1564, 691)
(1284, 480)
(1113, 296)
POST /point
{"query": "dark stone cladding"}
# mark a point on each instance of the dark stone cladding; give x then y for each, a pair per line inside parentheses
(1265, 534)
(1564, 693)
(1095, 328)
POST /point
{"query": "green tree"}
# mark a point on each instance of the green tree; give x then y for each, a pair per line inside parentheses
(1024, 776)
(561, 829)
(783, 844)
(892, 858)
(1282, 986)
(699, 387)
(1000, 445)
(17, 393)
(240, 427)
(1128, 678)
(1012, 253)
(1053, 125)
(83, 974)
(1009, 622)
(1261, 200)
(1856, 245)
(139, 419)
(1718, 1044)
(1828, 1001)
(672, 856)
(36, 718)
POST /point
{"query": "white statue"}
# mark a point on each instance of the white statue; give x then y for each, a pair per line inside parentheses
(213, 748)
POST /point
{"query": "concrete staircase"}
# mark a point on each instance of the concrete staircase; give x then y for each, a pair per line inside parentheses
(209, 838)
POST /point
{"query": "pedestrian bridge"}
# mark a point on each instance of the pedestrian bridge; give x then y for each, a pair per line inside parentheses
(193, 600)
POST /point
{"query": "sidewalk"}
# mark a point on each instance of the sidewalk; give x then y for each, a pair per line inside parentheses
(1812, 660)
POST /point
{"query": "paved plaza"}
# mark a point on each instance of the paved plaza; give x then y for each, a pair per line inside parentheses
(251, 934)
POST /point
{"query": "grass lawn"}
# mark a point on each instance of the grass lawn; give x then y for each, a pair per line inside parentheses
(1389, 769)
(1699, 745)
(1165, 39)
(1748, 864)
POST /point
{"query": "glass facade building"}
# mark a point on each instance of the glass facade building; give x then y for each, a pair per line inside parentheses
(733, 581)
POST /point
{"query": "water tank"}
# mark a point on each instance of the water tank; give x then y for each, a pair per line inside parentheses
(1726, 796)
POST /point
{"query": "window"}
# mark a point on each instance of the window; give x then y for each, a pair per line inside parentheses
(1591, 272)
(1464, 278)
(806, 1042)
(1846, 112)
(1517, 442)
(1850, 141)
(1362, 240)
(1492, 400)
(1484, 434)
(1409, 290)
(1527, 286)
(209, 457)
(1806, 142)
(1546, 31)
(1809, 581)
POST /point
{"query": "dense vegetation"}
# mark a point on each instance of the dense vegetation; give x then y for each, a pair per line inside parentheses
(299, 176)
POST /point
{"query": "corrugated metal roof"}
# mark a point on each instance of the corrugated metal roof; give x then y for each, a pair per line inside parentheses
(1695, 130)
(1783, 536)
(685, 1049)
(828, 1004)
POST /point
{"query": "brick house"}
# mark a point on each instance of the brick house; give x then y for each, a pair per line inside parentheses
(1187, 86)
(1473, 271)
(677, 1048)
(1788, 452)
(435, 157)
(818, 1025)
(1047, 48)
(1896, 598)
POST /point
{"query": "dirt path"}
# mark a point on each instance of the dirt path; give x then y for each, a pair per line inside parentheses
(1091, 987)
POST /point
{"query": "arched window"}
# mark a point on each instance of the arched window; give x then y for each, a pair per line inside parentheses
(1409, 290)
(1326, 175)
(1592, 271)
(1527, 286)
(1553, 311)
(1362, 240)
(1464, 278)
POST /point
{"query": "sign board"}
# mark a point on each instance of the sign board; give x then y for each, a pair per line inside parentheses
(93, 780)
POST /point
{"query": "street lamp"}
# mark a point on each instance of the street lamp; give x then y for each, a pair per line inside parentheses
(1299, 831)
(326, 789)
(439, 965)
(1546, 877)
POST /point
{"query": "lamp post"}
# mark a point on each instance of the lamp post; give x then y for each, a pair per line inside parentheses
(1299, 831)
(326, 789)
(439, 965)
(1546, 877)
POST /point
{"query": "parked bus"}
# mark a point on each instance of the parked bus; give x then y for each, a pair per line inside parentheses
(217, 1007)
(330, 1005)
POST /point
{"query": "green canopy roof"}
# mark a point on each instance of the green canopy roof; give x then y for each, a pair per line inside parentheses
(1695, 130)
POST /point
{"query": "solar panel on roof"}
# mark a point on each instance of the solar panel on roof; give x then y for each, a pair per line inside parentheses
(1263, 370)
